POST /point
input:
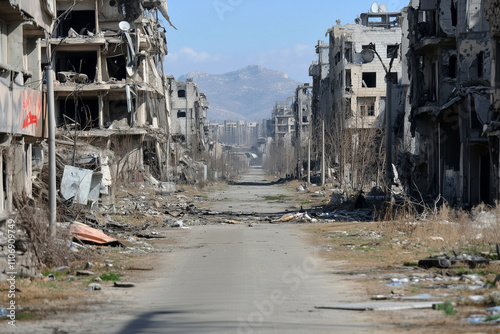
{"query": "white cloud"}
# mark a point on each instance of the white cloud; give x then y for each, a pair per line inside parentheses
(190, 55)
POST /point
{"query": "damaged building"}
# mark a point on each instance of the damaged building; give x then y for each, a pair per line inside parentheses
(362, 57)
(23, 115)
(302, 110)
(111, 94)
(189, 128)
(449, 64)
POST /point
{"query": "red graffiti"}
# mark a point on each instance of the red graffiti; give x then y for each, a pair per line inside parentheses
(30, 119)
(30, 110)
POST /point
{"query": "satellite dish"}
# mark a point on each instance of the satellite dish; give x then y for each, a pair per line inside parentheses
(124, 26)
(368, 55)
(382, 8)
(374, 7)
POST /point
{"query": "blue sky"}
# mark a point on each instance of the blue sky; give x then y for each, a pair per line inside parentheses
(219, 36)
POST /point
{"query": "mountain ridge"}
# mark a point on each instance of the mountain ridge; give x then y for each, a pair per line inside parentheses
(248, 93)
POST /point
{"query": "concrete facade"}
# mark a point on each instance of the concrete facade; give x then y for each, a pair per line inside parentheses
(23, 118)
(302, 110)
(449, 62)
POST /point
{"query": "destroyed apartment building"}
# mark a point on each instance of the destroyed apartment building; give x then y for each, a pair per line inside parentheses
(302, 110)
(450, 62)
(189, 127)
(111, 99)
(361, 58)
(23, 117)
(23, 114)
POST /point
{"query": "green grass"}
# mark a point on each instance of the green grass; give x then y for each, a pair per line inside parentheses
(275, 198)
(447, 307)
(53, 286)
(492, 318)
(26, 316)
(306, 202)
(111, 276)
(411, 264)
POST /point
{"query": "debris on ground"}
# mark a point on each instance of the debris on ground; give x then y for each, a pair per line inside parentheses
(91, 235)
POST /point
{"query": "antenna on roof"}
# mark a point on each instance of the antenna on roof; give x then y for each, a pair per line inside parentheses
(374, 7)
(382, 8)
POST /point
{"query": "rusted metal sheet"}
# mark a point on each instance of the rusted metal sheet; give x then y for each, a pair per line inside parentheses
(88, 234)
(22, 111)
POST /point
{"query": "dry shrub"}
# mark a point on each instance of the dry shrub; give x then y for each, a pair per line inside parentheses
(443, 226)
(33, 220)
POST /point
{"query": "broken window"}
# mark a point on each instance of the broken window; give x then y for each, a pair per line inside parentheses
(369, 79)
(452, 67)
(392, 51)
(348, 81)
(181, 93)
(304, 119)
(480, 64)
(337, 58)
(393, 77)
(118, 110)
(454, 14)
(117, 67)
(81, 21)
(81, 112)
(366, 106)
(83, 63)
(181, 113)
(348, 52)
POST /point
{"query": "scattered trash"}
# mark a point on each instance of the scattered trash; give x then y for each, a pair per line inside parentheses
(180, 224)
(447, 262)
(124, 285)
(62, 268)
(84, 273)
(94, 287)
(3, 312)
(438, 262)
(381, 306)
(232, 222)
(476, 299)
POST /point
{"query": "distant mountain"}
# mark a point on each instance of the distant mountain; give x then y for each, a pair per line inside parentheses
(247, 94)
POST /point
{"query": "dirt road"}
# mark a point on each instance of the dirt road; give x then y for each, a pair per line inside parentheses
(228, 279)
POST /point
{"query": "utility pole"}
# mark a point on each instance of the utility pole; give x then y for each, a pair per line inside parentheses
(323, 155)
(309, 162)
(388, 132)
(52, 150)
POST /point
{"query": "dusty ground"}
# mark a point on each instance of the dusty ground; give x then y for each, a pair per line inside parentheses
(357, 261)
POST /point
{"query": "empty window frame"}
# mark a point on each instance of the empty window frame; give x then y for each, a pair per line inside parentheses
(369, 79)
(117, 67)
(392, 51)
(181, 113)
(81, 21)
(82, 111)
(348, 52)
(452, 66)
(480, 64)
(181, 93)
(366, 106)
(84, 62)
